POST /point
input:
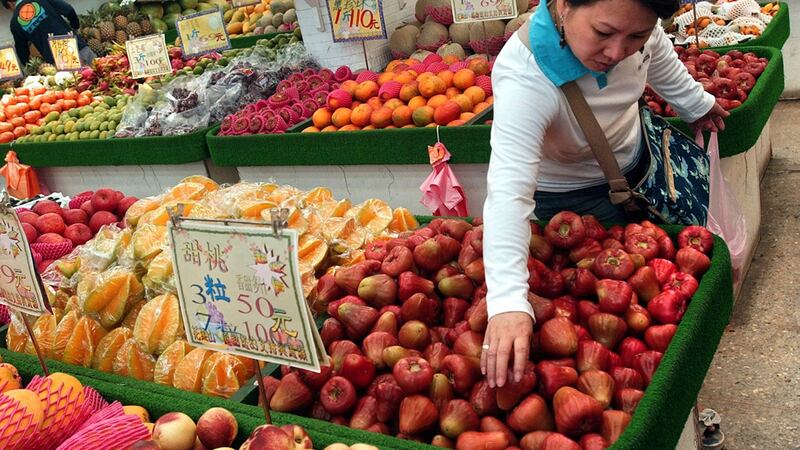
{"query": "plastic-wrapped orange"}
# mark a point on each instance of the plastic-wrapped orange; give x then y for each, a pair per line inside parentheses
(188, 373)
(85, 338)
(63, 332)
(168, 361)
(108, 348)
(130, 317)
(159, 323)
(134, 361)
(223, 375)
(44, 330)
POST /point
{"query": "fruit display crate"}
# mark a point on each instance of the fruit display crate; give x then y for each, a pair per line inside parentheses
(775, 34)
(468, 144)
(249, 41)
(150, 150)
(744, 125)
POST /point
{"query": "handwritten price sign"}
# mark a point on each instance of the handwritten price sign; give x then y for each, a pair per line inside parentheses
(148, 56)
(465, 11)
(240, 3)
(356, 20)
(65, 52)
(9, 64)
(240, 292)
(19, 285)
(203, 32)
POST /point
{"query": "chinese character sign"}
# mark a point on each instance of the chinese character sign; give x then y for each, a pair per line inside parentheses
(241, 293)
(65, 52)
(240, 3)
(203, 32)
(356, 20)
(148, 56)
(9, 64)
(479, 10)
(19, 287)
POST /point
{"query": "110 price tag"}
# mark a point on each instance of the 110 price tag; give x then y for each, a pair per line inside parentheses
(240, 292)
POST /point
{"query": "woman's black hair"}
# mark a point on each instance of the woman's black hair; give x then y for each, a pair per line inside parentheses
(662, 8)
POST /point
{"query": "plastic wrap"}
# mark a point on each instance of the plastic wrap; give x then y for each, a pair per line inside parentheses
(222, 375)
(159, 324)
(168, 361)
(188, 373)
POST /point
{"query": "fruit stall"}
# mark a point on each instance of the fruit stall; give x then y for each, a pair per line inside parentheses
(342, 135)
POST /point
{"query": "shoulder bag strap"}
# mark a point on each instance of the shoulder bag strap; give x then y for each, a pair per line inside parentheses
(620, 190)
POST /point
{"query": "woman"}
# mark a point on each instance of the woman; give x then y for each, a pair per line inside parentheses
(541, 163)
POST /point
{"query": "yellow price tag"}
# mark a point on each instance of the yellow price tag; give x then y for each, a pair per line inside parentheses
(465, 11)
(148, 56)
(9, 64)
(203, 33)
(356, 20)
(65, 52)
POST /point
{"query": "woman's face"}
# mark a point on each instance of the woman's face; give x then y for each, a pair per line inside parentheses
(606, 32)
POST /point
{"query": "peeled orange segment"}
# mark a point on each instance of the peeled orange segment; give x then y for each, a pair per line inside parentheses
(159, 278)
(333, 208)
(17, 336)
(167, 362)
(316, 196)
(63, 333)
(209, 184)
(311, 251)
(142, 206)
(251, 209)
(44, 330)
(182, 192)
(161, 215)
(314, 221)
(108, 347)
(374, 215)
(204, 211)
(111, 296)
(141, 364)
(130, 317)
(343, 234)
(80, 346)
(148, 241)
(402, 220)
(223, 375)
(285, 196)
(159, 324)
(188, 375)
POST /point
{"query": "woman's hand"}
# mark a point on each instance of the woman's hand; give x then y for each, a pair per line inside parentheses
(712, 121)
(507, 334)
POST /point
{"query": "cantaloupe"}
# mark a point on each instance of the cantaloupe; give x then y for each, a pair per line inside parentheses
(487, 37)
(522, 6)
(452, 49)
(459, 33)
(420, 55)
(515, 24)
(403, 41)
(432, 36)
(419, 10)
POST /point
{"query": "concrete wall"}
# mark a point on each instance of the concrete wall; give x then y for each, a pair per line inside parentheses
(80, 6)
(791, 53)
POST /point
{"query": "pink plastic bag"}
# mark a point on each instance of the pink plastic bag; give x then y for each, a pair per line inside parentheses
(725, 217)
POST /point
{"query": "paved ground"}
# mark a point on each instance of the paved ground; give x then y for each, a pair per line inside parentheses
(754, 380)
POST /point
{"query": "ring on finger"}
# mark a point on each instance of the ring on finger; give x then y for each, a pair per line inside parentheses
(485, 347)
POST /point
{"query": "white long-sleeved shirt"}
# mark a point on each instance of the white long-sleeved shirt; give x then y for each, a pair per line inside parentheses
(538, 144)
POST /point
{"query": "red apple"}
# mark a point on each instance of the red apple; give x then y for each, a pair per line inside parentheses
(124, 204)
(50, 238)
(28, 217)
(30, 232)
(105, 200)
(76, 216)
(88, 208)
(50, 223)
(78, 233)
(101, 218)
(46, 206)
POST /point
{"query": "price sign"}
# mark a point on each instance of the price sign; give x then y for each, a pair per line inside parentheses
(19, 285)
(203, 32)
(240, 3)
(241, 293)
(465, 11)
(9, 64)
(148, 56)
(356, 20)
(65, 52)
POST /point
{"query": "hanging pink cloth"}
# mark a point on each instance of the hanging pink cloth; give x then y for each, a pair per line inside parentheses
(442, 193)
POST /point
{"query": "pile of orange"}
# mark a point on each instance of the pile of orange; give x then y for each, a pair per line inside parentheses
(116, 309)
(419, 97)
(27, 108)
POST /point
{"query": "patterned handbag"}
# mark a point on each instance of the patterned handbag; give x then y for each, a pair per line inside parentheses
(675, 188)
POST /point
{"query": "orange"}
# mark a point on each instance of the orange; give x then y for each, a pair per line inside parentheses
(478, 65)
(210, 184)
(466, 116)
(81, 345)
(223, 375)
(447, 77)
(490, 100)
(6, 137)
(334, 208)
(360, 116)
(142, 206)
(401, 116)
(159, 324)
(432, 86)
(402, 220)
(386, 76)
(343, 234)
(330, 128)
(369, 127)
(409, 91)
(476, 94)
(366, 90)
(374, 102)
(447, 113)
(321, 118)
(349, 86)
(20, 130)
(463, 79)
(422, 115)
(185, 191)
(437, 101)
(405, 76)
(108, 347)
(311, 129)
(341, 117)
(417, 101)
(166, 364)
(187, 374)
(350, 127)
(62, 334)
(452, 92)
(393, 103)
(480, 107)
(464, 101)
(382, 117)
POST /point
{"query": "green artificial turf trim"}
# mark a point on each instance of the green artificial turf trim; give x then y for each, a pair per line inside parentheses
(151, 150)
(467, 144)
(250, 41)
(743, 127)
